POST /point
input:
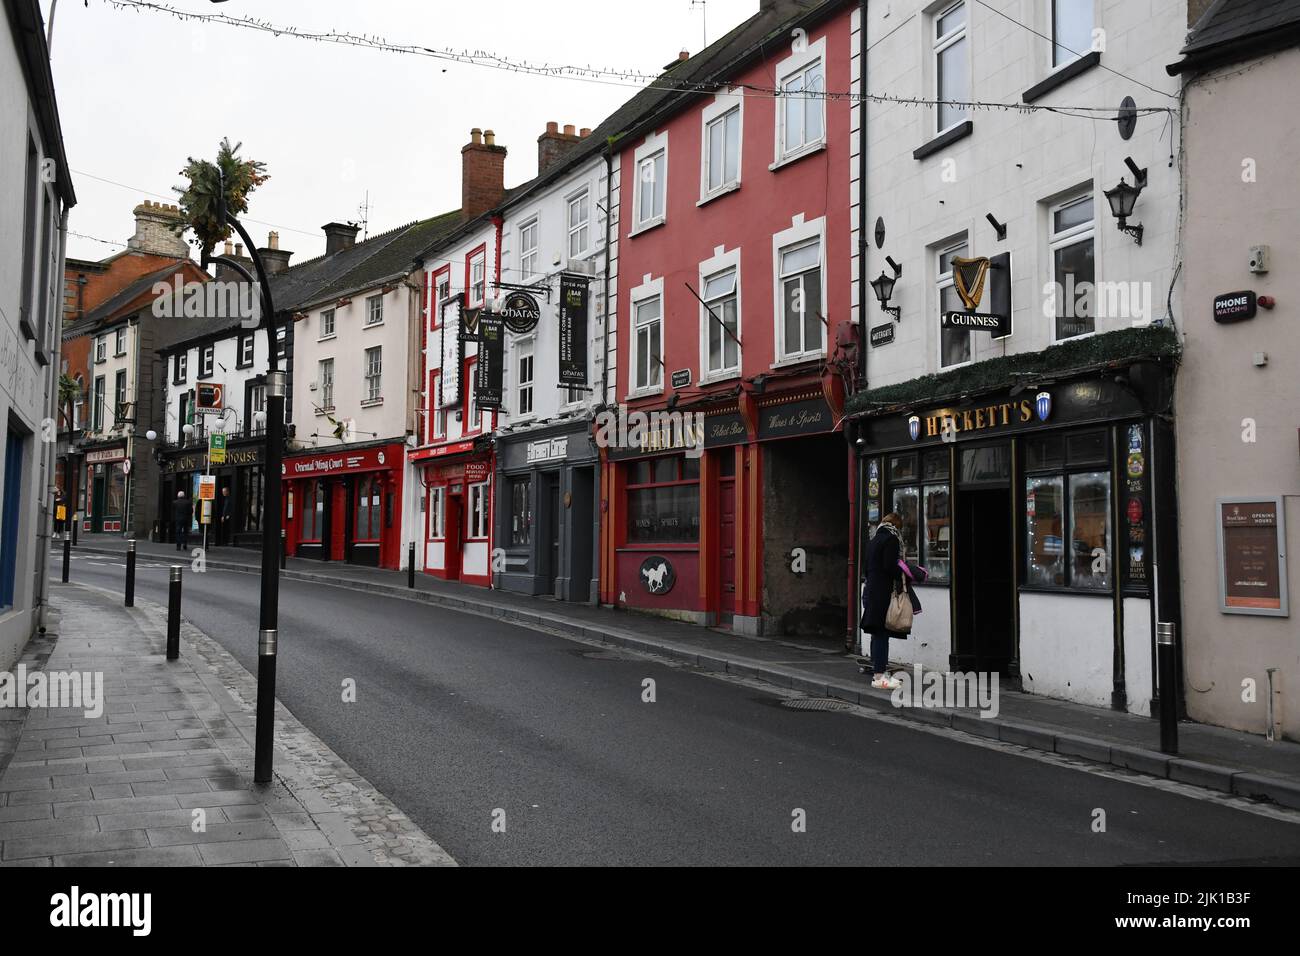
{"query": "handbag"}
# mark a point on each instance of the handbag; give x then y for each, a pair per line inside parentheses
(898, 618)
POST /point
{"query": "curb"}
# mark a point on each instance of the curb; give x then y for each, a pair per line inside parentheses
(1153, 763)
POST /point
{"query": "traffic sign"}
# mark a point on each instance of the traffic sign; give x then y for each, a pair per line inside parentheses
(217, 448)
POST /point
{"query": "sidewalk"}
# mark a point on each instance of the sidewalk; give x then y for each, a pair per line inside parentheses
(1220, 759)
(163, 775)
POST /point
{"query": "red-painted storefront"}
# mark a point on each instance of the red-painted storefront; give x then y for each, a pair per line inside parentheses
(345, 504)
(457, 488)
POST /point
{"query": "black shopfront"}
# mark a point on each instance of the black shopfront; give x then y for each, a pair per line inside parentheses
(1056, 495)
(239, 491)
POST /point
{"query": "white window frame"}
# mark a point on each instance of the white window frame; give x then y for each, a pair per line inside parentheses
(524, 351)
(723, 105)
(648, 290)
(119, 342)
(437, 512)
(1075, 235)
(944, 281)
(182, 367)
(795, 64)
(101, 349)
(583, 227)
(374, 310)
(373, 374)
(325, 372)
(207, 360)
(938, 45)
(722, 261)
(529, 255)
(246, 355)
(799, 233)
(479, 510)
(1050, 24)
(323, 332)
(654, 145)
(477, 292)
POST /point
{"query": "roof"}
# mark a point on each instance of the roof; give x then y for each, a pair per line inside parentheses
(28, 29)
(1234, 30)
(108, 309)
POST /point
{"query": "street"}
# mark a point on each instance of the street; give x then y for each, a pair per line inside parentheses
(511, 746)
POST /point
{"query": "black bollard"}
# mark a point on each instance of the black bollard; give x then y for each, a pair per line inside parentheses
(76, 520)
(1167, 671)
(410, 565)
(284, 549)
(130, 573)
(67, 555)
(174, 614)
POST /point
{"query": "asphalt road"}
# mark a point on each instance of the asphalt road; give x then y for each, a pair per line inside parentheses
(465, 721)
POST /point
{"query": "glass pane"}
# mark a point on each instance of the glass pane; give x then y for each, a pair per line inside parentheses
(792, 300)
(665, 469)
(730, 350)
(1090, 530)
(659, 185)
(724, 283)
(656, 363)
(794, 107)
(946, 257)
(812, 310)
(902, 468)
(1073, 271)
(1087, 448)
(717, 146)
(731, 164)
(953, 76)
(1046, 452)
(950, 21)
(1045, 566)
(813, 106)
(691, 467)
(938, 532)
(639, 473)
(935, 464)
(989, 463)
(907, 503)
(955, 343)
(1071, 29)
(799, 258)
(1076, 214)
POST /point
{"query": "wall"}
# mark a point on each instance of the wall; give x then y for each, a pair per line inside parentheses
(1066, 646)
(1219, 388)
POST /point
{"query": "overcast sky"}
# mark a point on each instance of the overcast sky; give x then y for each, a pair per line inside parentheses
(138, 92)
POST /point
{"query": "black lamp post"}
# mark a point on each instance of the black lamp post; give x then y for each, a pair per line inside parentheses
(883, 286)
(1122, 198)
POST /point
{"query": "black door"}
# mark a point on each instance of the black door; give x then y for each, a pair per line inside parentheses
(553, 519)
(984, 580)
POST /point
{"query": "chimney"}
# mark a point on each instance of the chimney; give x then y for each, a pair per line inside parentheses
(227, 274)
(158, 231)
(339, 236)
(274, 259)
(683, 56)
(552, 146)
(482, 173)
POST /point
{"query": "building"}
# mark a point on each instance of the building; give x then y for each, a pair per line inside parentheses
(1015, 404)
(35, 197)
(733, 283)
(1238, 467)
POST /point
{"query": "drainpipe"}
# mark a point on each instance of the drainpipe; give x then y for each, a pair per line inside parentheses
(609, 222)
(856, 543)
(50, 454)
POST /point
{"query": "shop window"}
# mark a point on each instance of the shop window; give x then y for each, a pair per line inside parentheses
(521, 512)
(935, 465)
(478, 511)
(251, 505)
(437, 512)
(902, 468)
(1068, 515)
(922, 501)
(115, 490)
(313, 512)
(986, 464)
(1045, 516)
(1047, 452)
(663, 499)
(366, 525)
(936, 554)
(907, 505)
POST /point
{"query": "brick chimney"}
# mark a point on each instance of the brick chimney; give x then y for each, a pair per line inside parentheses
(274, 259)
(339, 236)
(234, 251)
(552, 146)
(158, 229)
(482, 173)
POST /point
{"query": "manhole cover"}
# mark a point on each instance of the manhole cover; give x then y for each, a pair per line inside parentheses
(815, 703)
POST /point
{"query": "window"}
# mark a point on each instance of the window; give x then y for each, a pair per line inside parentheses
(207, 357)
(663, 500)
(921, 496)
(478, 510)
(802, 108)
(325, 374)
(647, 325)
(374, 309)
(374, 373)
(442, 292)
(256, 404)
(29, 193)
(368, 511)
(801, 299)
(437, 513)
(528, 250)
(101, 350)
(951, 65)
(525, 354)
(184, 416)
(473, 418)
(477, 279)
(79, 404)
(119, 394)
(313, 511)
(521, 512)
(954, 344)
(722, 151)
(245, 350)
(651, 184)
(1077, 497)
(579, 224)
(1071, 30)
(119, 342)
(97, 408)
(182, 368)
(722, 319)
(1073, 268)
(326, 323)
(439, 413)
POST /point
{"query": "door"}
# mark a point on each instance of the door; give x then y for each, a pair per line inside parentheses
(455, 532)
(727, 547)
(97, 506)
(984, 580)
(552, 532)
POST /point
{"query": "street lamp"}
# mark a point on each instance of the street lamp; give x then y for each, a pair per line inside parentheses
(1123, 197)
(883, 286)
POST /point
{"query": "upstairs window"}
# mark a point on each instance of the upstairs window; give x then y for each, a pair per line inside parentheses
(954, 344)
(477, 279)
(722, 319)
(246, 350)
(101, 350)
(722, 151)
(326, 323)
(951, 65)
(528, 255)
(525, 356)
(374, 370)
(182, 368)
(207, 359)
(1073, 268)
(801, 299)
(647, 325)
(651, 185)
(326, 375)
(803, 108)
(119, 342)
(579, 224)
(1071, 30)
(374, 309)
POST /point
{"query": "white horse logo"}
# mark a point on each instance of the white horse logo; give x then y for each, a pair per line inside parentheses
(654, 577)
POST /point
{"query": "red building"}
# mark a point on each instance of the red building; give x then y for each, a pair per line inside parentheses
(734, 274)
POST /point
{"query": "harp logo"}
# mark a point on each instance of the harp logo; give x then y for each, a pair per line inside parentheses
(968, 277)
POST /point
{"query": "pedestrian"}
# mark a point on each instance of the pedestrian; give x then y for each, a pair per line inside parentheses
(182, 517)
(223, 517)
(887, 573)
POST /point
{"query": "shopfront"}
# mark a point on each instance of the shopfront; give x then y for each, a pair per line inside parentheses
(239, 490)
(344, 504)
(104, 506)
(1036, 511)
(456, 510)
(546, 511)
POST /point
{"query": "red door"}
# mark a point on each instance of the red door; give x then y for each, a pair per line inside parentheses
(452, 545)
(727, 544)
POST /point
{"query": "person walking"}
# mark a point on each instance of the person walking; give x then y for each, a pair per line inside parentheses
(223, 516)
(883, 578)
(182, 517)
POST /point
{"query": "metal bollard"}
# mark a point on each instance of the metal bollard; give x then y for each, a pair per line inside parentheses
(130, 573)
(174, 614)
(284, 548)
(1167, 671)
(410, 565)
(76, 521)
(67, 555)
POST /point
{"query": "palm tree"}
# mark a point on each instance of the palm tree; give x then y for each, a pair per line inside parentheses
(201, 208)
(70, 392)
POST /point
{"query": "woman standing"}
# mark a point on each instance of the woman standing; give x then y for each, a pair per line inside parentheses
(883, 554)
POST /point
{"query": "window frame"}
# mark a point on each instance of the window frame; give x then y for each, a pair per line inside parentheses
(723, 106)
(372, 379)
(722, 263)
(651, 291)
(476, 289)
(798, 64)
(941, 44)
(654, 147)
(119, 342)
(1053, 65)
(247, 342)
(436, 513)
(207, 360)
(1071, 236)
(788, 241)
(478, 514)
(326, 382)
(181, 372)
(583, 227)
(632, 486)
(323, 335)
(470, 412)
(98, 396)
(525, 350)
(943, 282)
(529, 256)
(521, 537)
(1064, 472)
(101, 349)
(374, 310)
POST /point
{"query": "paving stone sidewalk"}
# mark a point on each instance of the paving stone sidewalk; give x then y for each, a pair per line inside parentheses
(123, 788)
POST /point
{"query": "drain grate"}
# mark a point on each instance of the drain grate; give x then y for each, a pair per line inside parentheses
(815, 703)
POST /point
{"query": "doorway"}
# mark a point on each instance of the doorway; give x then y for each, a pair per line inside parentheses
(727, 537)
(984, 581)
(582, 517)
(452, 524)
(551, 531)
(97, 499)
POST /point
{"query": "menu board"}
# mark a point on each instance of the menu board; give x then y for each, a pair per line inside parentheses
(1252, 558)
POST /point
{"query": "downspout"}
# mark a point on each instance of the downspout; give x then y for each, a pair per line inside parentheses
(857, 543)
(609, 222)
(51, 447)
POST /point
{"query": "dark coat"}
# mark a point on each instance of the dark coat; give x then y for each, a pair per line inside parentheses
(182, 512)
(883, 552)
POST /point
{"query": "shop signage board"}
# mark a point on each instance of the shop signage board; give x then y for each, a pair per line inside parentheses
(99, 456)
(1252, 556)
(476, 471)
(208, 397)
(367, 459)
(547, 449)
(520, 312)
(491, 358)
(1234, 306)
(970, 277)
(809, 417)
(725, 429)
(681, 378)
(452, 350)
(657, 574)
(882, 334)
(574, 296)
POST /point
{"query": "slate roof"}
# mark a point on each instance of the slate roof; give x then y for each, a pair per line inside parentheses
(109, 307)
(1234, 30)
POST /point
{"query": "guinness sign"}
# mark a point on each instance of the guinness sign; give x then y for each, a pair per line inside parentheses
(968, 278)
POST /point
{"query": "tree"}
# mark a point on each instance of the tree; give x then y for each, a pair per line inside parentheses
(70, 392)
(200, 206)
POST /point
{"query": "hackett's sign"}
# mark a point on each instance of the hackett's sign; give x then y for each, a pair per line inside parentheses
(1000, 415)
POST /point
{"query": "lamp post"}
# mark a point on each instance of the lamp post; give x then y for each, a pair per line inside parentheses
(883, 286)
(1122, 198)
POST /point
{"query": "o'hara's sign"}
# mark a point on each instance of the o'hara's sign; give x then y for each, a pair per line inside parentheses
(950, 422)
(520, 312)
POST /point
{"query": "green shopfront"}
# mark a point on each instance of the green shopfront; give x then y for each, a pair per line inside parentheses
(1044, 512)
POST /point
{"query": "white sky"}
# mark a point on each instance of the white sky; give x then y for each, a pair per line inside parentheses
(139, 92)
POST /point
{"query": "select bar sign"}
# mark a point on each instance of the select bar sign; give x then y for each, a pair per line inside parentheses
(1234, 307)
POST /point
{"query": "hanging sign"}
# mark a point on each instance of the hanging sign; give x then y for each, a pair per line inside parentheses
(520, 312)
(208, 397)
(491, 357)
(469, 320)
(969, 278)
(1252, 556)
(574, 295)
(452, 349)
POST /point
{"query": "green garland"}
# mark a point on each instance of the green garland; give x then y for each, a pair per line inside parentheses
(1095, 351)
